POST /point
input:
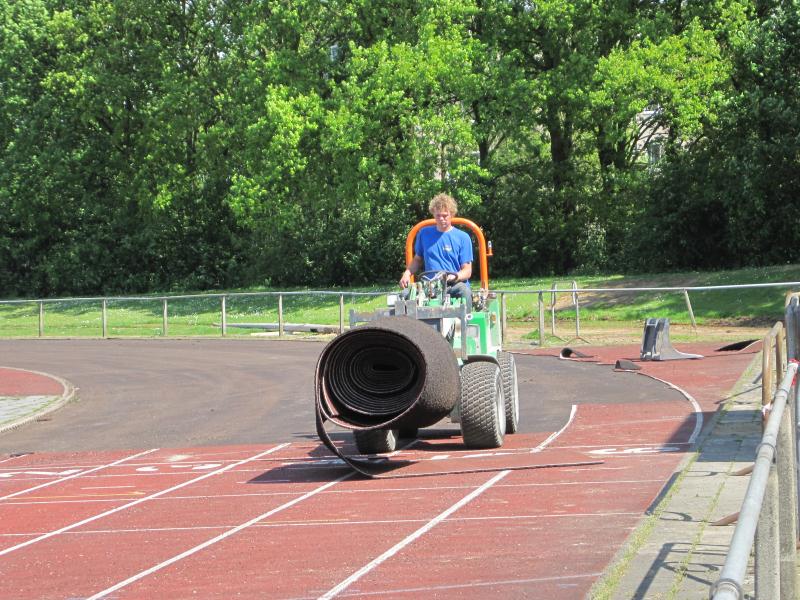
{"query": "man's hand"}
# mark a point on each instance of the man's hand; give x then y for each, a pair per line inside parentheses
(413, 267)
(452, 278)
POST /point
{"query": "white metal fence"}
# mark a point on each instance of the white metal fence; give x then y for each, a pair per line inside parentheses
(541, 303)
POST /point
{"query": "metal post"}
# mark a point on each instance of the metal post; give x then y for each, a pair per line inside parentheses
(541, 320)
(791, 353)
(577, 309)
(553, 288)
(689, 307)
(767, 353)
(41, 318)
(787, 507)
(780, 352)
(224, 317)
(164, 318)
(341, 313)
(280, 315)
(502, 316)
(767, 565)
(104, 318)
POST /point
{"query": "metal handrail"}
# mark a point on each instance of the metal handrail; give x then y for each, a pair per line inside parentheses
(729, 584)
(192, 296)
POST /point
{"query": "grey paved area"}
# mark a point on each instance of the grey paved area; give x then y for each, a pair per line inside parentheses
(196, 392)
(27, 396)
(14, 408)
(677, 553)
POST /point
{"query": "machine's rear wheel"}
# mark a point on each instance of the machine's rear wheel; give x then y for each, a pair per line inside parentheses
(376, 441)
(483, 412)
(508, 372)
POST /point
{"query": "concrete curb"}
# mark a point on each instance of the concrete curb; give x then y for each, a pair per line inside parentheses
(675, 552)
(50, 404)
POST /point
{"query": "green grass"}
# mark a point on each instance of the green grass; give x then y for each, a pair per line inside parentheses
(756, 305)
(601, 310)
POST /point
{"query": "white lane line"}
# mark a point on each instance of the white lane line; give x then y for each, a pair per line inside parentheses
(393, 490)
(138, 501)
(417, 534)
(436, 588)
(216, 539)
(623, 445)
(555, 434)
(698, 412)
(79, 474)
(64, 466)
(335, 523)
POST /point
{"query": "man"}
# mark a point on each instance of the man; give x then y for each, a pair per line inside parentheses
(442, 247)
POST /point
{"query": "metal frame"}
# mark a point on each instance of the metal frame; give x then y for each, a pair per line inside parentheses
(768, 518)
(430, 314)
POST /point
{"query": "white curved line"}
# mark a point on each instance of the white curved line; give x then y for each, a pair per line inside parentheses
(555, 434)
(698, 422)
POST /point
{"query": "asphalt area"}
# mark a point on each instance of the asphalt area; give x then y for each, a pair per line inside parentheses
(190, 469)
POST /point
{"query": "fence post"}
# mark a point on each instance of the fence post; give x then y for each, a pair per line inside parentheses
(341, 313)
(553, 289)
(767, 548)
(41, 318)
(787, 506)
(104, 318)
(502, 316)
(767, 354)
(790, 317)
(280, 315)
(577, 309)
(689, 307)
(164, 318)
(541, 319)
(224, 317)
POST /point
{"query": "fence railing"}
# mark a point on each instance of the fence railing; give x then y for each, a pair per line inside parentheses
(223, 300)
(539, 307)
(768, 519)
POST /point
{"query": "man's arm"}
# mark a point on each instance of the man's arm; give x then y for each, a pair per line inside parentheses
(464, 273)
(413, 267)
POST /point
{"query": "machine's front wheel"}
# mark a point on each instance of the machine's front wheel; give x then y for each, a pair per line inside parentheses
(508, 372)
(376, 441)
(483, 412)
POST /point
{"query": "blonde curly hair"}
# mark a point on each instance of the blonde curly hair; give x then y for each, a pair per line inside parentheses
(443, 201)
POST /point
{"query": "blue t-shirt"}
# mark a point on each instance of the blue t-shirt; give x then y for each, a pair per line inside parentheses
(443, 251)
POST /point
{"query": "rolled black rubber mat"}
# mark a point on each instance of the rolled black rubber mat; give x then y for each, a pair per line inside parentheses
(394, 373)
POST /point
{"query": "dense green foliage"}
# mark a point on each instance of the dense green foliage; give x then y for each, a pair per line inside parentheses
(172, 144)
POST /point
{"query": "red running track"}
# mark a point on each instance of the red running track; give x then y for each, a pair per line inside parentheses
(287, 521)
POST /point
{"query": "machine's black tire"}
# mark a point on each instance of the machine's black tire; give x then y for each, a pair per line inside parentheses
(508, 372)
(483, 418)
(376, 441)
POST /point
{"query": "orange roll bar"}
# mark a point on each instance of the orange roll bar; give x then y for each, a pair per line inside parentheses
(482, 254)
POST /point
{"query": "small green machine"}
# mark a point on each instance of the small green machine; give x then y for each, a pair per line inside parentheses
(424, 357)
